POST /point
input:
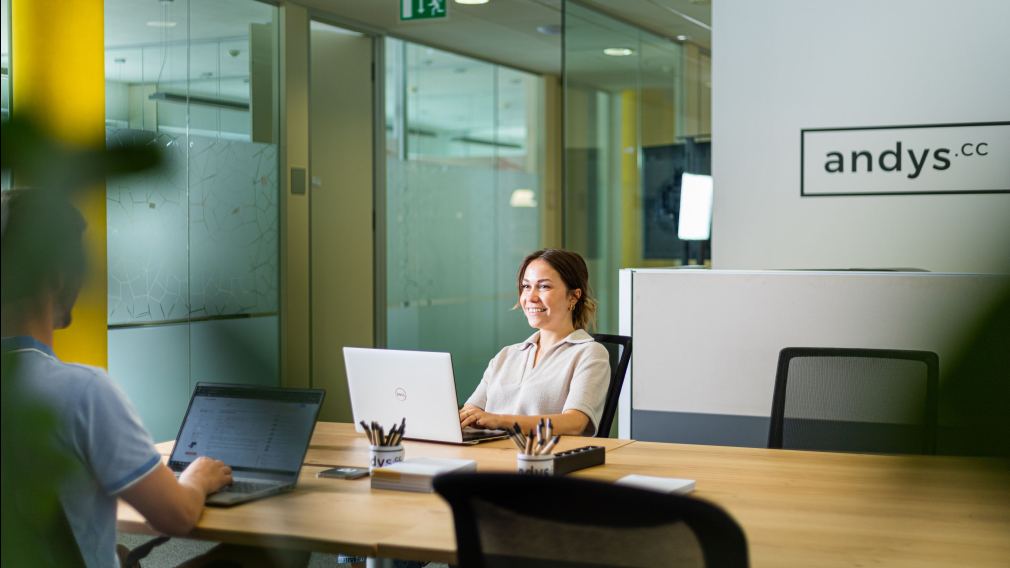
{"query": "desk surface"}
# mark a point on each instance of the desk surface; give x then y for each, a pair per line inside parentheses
(796, 508)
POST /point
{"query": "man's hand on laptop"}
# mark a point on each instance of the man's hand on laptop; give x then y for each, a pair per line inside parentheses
(207, 474)
(173, 506)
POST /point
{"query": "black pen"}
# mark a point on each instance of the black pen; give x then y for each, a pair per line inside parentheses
(515, 439)
(368, 432)
(399, 435)
(519, 433)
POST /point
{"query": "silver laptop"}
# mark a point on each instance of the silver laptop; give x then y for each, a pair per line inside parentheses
(387, 386)
(261, 432)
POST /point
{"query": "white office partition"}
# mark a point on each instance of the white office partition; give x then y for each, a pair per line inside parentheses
(706, 342)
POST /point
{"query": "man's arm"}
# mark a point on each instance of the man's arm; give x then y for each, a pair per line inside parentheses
(174, 506)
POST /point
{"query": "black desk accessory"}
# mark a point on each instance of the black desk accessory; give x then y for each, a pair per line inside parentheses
(578, 458)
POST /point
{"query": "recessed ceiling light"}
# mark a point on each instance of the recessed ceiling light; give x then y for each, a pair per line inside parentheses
(471, 2)
(160, 24)
(618, 51)
(683, 37)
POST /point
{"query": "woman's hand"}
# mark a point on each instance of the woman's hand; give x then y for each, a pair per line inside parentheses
(475, 417)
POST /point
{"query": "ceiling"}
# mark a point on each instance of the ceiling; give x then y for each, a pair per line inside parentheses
(215, 60)
(502, 31)
(505, 31)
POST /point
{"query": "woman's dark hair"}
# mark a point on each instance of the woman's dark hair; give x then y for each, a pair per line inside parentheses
(573, 270)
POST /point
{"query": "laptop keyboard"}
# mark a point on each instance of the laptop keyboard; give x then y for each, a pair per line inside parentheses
(470, 434)
(246, 487)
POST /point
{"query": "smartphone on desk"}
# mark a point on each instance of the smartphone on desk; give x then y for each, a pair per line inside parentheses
(344, 472)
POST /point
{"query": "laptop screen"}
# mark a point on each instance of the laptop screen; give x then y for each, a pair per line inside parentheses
(249, 428)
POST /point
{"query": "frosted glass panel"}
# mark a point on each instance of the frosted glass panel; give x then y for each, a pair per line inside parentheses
(192, 246)
(218, 256)
(158, 365)
(633, 126)
(233, 227)
(463, 185)
(148, 225)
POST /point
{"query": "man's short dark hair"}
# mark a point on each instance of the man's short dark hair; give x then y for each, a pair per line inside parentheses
(42, 244)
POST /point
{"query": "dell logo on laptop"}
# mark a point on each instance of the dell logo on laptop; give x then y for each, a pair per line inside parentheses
(400, 393)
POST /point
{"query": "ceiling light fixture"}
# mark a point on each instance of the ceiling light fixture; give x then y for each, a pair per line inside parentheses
(161, 24)
(683, 37)
(471, 2)
(618, 51)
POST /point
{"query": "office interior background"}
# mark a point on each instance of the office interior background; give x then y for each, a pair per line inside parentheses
(336, 176)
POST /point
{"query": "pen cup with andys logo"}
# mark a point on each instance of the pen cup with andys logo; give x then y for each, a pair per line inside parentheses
(382, 456)
(535, 465)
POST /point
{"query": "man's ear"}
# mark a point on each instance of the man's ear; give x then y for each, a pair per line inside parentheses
(64, 296)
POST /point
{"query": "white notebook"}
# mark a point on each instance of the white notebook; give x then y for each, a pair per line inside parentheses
(416, 474)
(661, 484)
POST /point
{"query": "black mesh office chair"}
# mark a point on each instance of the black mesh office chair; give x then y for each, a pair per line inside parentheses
(619, 347)
(855, 400)
(520, 520)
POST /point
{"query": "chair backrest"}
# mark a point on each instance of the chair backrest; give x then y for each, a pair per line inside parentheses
(855, 400)
(619, 347)
(506, 519)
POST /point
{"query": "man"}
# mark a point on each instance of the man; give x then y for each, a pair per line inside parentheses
(43, 266)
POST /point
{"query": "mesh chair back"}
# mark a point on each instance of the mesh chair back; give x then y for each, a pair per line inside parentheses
(519, 520)
(619, 348)
(855, 400)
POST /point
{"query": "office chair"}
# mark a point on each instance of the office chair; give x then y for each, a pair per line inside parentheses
(507, 519)
(855, 400)
(619, 348)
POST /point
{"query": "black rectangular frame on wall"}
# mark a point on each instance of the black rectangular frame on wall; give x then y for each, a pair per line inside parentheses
(804, 131)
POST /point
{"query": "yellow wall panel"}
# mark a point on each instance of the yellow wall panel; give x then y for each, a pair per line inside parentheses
(58, 76)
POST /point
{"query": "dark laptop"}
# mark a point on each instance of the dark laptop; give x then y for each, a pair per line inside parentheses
(261, 432)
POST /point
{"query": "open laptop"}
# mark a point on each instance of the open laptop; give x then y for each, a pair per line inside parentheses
(387, 385)
(261, 432)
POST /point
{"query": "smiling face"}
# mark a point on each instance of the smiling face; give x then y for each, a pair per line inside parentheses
(545, 299)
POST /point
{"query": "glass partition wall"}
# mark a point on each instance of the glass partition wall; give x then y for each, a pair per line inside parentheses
(193, 246)
(635, 120)
(463, 188)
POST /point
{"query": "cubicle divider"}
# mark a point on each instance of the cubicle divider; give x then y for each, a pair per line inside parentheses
(707, 341)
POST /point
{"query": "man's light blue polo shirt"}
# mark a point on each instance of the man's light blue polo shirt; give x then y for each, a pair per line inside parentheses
(100, 430)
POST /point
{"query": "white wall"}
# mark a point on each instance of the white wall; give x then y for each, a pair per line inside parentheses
(783, 65)
(707, 342)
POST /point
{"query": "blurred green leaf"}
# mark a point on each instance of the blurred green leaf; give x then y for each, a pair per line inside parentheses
(34, 530)
(39, 160)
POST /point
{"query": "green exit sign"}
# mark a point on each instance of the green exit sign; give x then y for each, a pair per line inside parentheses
(422, 9)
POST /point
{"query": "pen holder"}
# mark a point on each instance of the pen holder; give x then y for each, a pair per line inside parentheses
(382, 456)
(535, 465)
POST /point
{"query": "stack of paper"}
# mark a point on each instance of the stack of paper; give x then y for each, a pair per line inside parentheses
(416, 474)
(661, 484)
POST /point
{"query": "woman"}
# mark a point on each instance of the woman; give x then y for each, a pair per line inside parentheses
(560, 372)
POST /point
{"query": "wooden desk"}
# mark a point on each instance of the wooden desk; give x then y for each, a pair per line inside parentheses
(797, 508)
